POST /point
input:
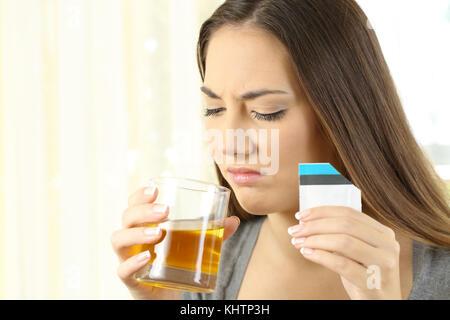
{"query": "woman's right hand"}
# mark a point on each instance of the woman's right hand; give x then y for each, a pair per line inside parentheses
(141, 209)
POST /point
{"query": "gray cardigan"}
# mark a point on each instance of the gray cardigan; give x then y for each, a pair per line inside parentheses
(431, 267)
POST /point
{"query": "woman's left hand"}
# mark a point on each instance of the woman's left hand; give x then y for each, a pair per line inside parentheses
(361, 250)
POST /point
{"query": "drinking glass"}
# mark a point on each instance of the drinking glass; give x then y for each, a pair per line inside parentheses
(188, 254)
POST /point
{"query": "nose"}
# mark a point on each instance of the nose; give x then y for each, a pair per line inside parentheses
(239, 142)
(234, 138)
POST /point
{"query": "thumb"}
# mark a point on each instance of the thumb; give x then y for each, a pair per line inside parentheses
(230, 226)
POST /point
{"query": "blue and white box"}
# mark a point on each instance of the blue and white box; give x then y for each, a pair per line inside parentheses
(320, 184)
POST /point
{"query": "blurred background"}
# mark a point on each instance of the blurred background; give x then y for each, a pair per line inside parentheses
(97, 96)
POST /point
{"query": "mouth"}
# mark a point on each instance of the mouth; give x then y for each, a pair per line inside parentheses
(241, 175)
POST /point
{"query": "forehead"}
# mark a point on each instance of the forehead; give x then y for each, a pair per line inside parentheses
(240, 58)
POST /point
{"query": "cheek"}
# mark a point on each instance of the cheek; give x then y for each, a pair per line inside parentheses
(298, 141)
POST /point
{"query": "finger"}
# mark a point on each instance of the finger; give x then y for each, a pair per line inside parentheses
(144, 213)
(344, 245)
(122, 239)
(341, 225)
(145, 194)
(342, 211)
(129, 267)
(230, 226)
(348, 269)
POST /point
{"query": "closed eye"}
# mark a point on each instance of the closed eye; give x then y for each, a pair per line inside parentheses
(212, 112)
(269, 116)
(260, 116)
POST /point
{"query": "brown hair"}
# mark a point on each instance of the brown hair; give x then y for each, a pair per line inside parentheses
(346, 79)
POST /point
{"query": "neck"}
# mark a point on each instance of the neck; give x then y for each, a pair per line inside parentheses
(276, 226)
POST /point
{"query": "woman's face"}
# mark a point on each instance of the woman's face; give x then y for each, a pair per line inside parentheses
(248, 59)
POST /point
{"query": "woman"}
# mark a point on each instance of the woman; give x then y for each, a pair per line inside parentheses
(314, 70)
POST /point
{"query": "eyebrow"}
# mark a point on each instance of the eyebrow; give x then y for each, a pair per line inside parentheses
(246, 96)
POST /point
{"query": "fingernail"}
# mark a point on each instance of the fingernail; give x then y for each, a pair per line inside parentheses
(294, 229)
(237, 219)
(302, 214)
(149, 191)
(152, 231)
(295, 241)
(306, 251)
(160, 208)
(143, 256)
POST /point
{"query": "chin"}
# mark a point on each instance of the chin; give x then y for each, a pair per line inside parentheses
(253, 204)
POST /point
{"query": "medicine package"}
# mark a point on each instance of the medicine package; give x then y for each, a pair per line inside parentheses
(320, 184)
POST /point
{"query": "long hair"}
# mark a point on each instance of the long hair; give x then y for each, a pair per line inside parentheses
(342, 70)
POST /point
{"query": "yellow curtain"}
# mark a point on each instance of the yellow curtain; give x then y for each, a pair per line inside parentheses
(95, 98)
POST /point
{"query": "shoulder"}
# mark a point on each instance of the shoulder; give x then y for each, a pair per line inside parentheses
(431, 271)
(235, 253)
